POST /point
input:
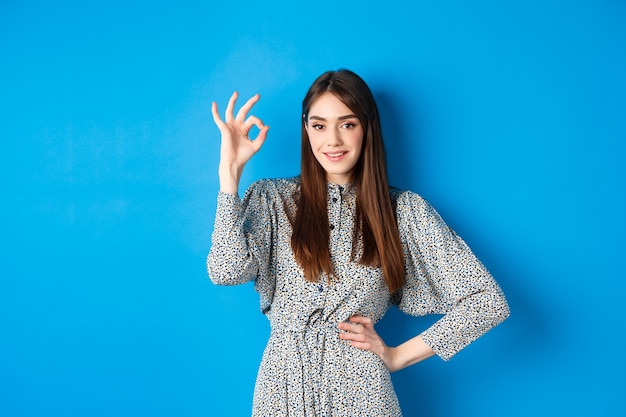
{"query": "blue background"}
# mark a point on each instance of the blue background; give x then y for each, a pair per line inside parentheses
(509, 117)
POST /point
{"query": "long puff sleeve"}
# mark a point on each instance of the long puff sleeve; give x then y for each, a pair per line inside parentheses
(242, 241)
(445, 277)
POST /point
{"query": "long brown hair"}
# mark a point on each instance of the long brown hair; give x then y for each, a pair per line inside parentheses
(375, 215)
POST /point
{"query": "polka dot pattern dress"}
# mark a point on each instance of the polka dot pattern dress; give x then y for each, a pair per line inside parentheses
(307, 370)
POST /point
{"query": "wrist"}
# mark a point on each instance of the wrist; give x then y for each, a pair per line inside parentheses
(409, 353)
(229, 177)
(390, 358)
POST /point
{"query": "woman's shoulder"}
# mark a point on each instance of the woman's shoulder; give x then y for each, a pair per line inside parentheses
(275, 188)
(411, 209)
(403, 198)
(280, 185)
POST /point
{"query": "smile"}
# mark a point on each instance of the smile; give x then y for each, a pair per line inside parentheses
(335, 156)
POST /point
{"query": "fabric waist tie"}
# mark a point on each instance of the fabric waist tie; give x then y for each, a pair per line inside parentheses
(311, 339)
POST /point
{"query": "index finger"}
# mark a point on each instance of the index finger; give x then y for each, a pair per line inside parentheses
(351, 327)
(361, 320)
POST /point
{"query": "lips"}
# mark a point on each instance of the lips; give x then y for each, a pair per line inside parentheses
(335, 156)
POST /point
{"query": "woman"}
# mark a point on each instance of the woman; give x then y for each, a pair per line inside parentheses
(331, 250)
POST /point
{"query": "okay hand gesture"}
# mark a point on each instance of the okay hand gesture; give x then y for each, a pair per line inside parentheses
(237, 147)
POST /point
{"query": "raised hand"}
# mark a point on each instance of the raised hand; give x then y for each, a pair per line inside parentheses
(237, 147)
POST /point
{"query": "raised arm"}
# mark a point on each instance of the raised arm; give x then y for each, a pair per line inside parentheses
(230, 260)
(237, 147)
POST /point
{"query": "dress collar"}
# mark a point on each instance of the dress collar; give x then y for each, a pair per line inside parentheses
(343, 189)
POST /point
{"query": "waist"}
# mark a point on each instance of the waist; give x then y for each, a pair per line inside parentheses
(301, 328)
(315, 321)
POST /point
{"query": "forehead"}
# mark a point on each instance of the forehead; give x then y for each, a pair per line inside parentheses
(328, 106)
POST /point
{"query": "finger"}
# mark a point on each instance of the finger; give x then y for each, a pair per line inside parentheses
(350, 327)
(253, 121)
(216, 116)
(260, 139)
(353, 337)
(357, 340)
(362, 346)
(243, 111)
(365, 321)
(230, 109)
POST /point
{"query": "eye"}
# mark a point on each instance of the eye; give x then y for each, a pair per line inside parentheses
(317, 126)
(348, 125)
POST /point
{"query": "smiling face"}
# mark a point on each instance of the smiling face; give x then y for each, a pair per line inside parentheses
(336, 137)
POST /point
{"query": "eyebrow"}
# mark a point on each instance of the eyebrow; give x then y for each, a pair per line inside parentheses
(348, 116)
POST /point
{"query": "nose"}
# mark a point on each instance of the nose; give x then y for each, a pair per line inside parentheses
(334, 138)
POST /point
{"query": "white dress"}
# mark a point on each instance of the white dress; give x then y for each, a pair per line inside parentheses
(306, 369)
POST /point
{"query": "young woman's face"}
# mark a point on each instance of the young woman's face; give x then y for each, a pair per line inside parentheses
(336, 137)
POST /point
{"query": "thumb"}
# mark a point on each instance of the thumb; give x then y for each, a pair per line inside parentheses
(260, 139)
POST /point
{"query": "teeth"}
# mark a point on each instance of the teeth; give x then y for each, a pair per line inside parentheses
(335, 154)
